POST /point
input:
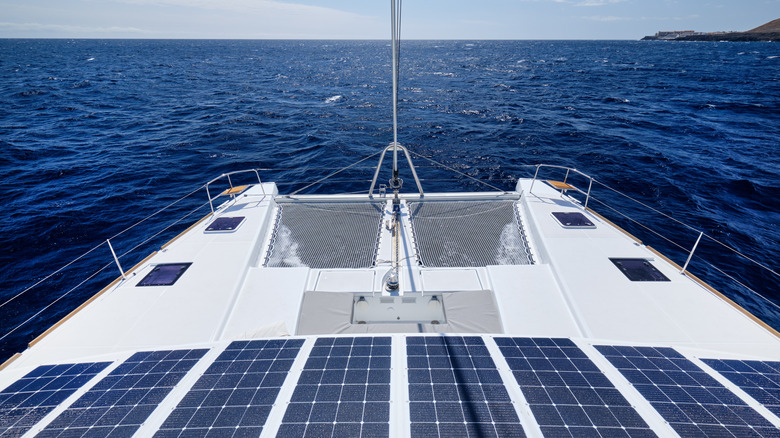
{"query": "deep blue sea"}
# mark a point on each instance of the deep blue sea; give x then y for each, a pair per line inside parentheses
(96, 135)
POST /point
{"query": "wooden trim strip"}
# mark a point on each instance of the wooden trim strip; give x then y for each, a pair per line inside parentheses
(186, 231)
(634, 238)
(728, 300)
(86, 303)
(10, 359)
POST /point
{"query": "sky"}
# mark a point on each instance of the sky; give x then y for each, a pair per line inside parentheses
(370, 19)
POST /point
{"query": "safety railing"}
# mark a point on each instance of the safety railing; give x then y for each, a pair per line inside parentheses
(230, 182)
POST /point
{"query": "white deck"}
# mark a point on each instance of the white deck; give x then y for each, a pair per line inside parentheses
(573, 291)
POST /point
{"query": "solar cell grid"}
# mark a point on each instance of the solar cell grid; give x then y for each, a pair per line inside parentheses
(568, 394)
(456, 390)
(760, 379)
(343, 390)
(119, 403)
(234, 396)
(692, 401)
(25, 402)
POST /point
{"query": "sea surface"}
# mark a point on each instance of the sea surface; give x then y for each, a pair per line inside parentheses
(97, 135)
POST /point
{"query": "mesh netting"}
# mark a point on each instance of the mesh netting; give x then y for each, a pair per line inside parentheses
(325, 235)
(468, 233)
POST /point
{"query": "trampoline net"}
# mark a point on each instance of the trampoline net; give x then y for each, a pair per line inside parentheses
(325, 235)
(468, 233)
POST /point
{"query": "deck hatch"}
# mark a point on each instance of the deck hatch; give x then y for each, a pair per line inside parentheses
(25, 402)
(325, 235)
(567, 392)
(573, 219)
(236, 393)
(165, 274)
(122, 401)
(343, 390)
(639, 270)
(693, 402)
(468, 233)
(760, 379)
(225, 224)
(456, 390)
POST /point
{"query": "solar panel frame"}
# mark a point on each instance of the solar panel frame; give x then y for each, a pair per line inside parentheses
(121, 402)
(235, 395)
(455, 389)
(568, 394)
(687, 397)
(343, 390)
(24, 403)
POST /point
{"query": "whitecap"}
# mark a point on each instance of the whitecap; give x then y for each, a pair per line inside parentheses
(90, 59)
(333, 99)
(772, 57)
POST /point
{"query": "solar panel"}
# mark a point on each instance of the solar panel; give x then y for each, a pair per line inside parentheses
(760, 379)
(343, 390)
(235, 394)
(693, 402)
(568, 394)
(456, 390)
(123, 400)
(25, 402)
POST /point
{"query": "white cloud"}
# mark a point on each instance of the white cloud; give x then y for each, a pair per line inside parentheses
(597, 2)
(26, 27)
(607, 18)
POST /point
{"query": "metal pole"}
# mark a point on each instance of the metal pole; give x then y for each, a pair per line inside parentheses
(587, 197)
(211, 204)
(701, 233)
(530, 189)
(394, 42)
(116, 259)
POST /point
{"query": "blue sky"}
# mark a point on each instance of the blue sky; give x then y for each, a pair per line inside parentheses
(369, 19)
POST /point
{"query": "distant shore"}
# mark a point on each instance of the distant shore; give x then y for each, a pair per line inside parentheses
(730, 36)
(767, 32)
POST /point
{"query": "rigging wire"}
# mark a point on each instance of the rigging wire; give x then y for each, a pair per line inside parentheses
(456, 171)
(335, 173)
(689, 227)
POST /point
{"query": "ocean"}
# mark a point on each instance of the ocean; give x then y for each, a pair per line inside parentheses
(97, 135)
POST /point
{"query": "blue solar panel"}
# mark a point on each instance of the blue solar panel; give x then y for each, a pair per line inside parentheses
(343, 390)
(235, 394)
(760, 379)
(123, 400)
(568, 394)
(25, 402)
(693, 402)
(456, 390)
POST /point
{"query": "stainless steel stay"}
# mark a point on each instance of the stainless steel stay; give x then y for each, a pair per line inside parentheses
(393, 146)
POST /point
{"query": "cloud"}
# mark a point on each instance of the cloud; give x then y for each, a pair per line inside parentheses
(250, 6)
(614, 18)
(589, 3)
(27, 27)
(607, 18)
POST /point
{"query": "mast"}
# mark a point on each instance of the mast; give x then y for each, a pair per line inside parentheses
(395, 182)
